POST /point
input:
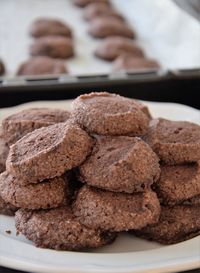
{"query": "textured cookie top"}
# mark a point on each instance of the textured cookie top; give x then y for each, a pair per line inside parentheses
(17, 125)
(41, 66)
(112, 47)
(110, 114)
(48, 152)
(124, 164)
(4, 149)
(48, 26)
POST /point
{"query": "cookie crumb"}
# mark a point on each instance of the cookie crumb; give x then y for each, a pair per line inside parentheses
(8, 231)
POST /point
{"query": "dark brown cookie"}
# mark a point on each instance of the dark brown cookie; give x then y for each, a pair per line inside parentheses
(121, 164)
(53, 46)
(130, 62)
(42, 66)
(47, 27)
(18, 125)
(113, 47)
(106, 210)
(4, 150)
(110, 114)
(51, 193)
(194, 201)
(100, 9)
(84, 3)
(6, 208)
(105, 27)
(178, 183)
(48, 152)
(176, 224)
(2, 68)
(59, 229)
(175, 142)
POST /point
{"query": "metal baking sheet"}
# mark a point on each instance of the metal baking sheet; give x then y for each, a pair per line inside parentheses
(164, 31)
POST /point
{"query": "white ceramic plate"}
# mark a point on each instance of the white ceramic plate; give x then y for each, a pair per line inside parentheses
(127, 254)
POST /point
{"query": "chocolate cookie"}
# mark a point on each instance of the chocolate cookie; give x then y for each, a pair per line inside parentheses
(51, 193)
(110, 114)
(176, 224)
(175, 142)
(59, 229)
(105, 27)
(47, 27)
(18, 125)
(130, 62)
(113, 47)
(194, 201)
(100, 9)
(53, 46)
(48, 152)
(4, 149)
(83, 3)
(6, 208)
(115, 211)
(2, 68)
(178, 183)
(121, 164)
(42, 66)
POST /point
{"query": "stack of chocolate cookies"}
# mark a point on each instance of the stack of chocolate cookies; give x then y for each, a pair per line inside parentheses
(76, 180)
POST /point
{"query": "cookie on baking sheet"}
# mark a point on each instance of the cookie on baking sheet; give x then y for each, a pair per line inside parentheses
(84, 3)
(48, 152)
(121, 164)
(59, 229)
(103, 27)
(112, 47)
(176, 224)
(18, 125)
(100, 9)
(53, 46)
(6, 208)
(178, 183)
(48, 26)
(4, 150)
(175, 142)
(51, 193)
(110, 114)
(113, 211)
(2, 68)
(42, 66)
(130, 62)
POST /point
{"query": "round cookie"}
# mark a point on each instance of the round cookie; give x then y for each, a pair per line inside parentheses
(113, 47)
(18, 125)
(176, 224)
(4, 150)
(175, 142)
(53, 46)
(105, 27)
(100, 9)
(178, 183)
(42, 66)
(48, 152)
(2, 68)
(84, 3)
(47, 27)
(121, 164)
(130, 62)
(6, 208)
(110, 114)
(106, 210)
(47, 194)
(64, 230)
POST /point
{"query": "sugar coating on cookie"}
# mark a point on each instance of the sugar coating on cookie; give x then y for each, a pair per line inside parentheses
(115, 211)
(176, 224)
(42, 66)
(48, 26)
(59, 229)
(51, 193)
(178, 183)
(105, 27)
(48, 152)
(53, 46)
(175, 142)
(84, 3)
(121, 164)
(110, 114)
(112, 47)
(18, 125)
(6, 208)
